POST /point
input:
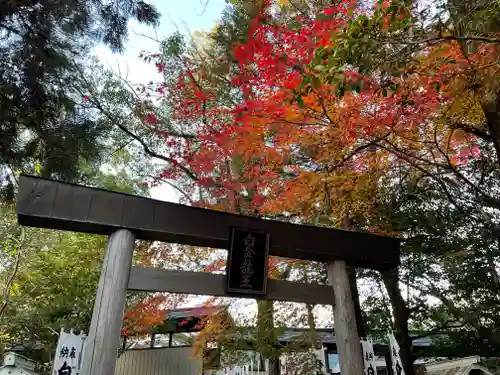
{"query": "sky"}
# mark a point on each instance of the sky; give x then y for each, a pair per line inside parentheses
(186, 16)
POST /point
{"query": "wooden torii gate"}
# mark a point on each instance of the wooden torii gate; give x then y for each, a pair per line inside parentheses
(124, 218)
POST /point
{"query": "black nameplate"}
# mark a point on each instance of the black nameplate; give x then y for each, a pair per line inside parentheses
(246, 270)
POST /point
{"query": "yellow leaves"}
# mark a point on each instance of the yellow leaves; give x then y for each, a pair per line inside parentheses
(38, 168)
(4, 336)
(14, 290)
(275, 274)
(214, 29)
(463, 109)
(213, 328)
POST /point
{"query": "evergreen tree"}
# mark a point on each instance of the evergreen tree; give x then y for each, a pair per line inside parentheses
(42, 47)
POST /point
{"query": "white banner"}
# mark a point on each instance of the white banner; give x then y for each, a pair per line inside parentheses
(69, 353)
(369, 357)
(397, 365)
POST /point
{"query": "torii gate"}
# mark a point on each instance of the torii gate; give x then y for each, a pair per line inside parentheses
(56, 205)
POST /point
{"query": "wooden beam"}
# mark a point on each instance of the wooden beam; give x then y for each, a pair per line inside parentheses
(56, 205)
(201, 283)
(104, 335)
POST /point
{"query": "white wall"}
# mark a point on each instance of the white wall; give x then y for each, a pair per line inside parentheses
(162, 361)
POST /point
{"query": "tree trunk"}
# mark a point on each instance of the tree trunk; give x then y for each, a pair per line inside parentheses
(274, 366)
(310, 317)
(349, 224)
(267, 340)
(351, 273)
(12, 277)
(401, 315)
(10, 282)
(491, 109)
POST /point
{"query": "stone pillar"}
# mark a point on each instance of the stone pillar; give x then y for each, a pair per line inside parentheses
(346, 331)
(101, 348)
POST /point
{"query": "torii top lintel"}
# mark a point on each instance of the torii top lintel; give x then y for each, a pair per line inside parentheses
(56, 205)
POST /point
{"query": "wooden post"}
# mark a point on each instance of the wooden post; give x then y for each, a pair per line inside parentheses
(388, 362)
(104, 335)
(153, 339)
(346, 332)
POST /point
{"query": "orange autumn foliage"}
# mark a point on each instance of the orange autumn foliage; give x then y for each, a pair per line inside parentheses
(322, 155)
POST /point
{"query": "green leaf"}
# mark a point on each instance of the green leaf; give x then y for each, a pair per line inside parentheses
(38, 168)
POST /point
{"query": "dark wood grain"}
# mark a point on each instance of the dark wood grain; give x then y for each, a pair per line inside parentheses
(52, 204)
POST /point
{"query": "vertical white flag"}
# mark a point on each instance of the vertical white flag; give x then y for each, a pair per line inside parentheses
(369, 357)
(69, 353)
(397, 365)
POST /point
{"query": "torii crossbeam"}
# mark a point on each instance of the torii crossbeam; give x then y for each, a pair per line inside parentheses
(56, 205)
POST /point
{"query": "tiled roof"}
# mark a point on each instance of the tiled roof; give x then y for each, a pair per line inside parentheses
(462, 366)
(196, 312)
(327, 336)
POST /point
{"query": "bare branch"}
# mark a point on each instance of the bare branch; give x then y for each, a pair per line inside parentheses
(12, 277)
(460, 38)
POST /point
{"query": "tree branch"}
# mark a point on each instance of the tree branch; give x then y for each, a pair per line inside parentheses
(10, 281)
(467, 317)
(156, 155)
(460, 38)
(473, 130)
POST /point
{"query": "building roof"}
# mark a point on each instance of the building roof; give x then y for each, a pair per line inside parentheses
(15, 364)
(327, 336)
(188, 319)
(432, 344)
(461, 366)
(194, 312)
